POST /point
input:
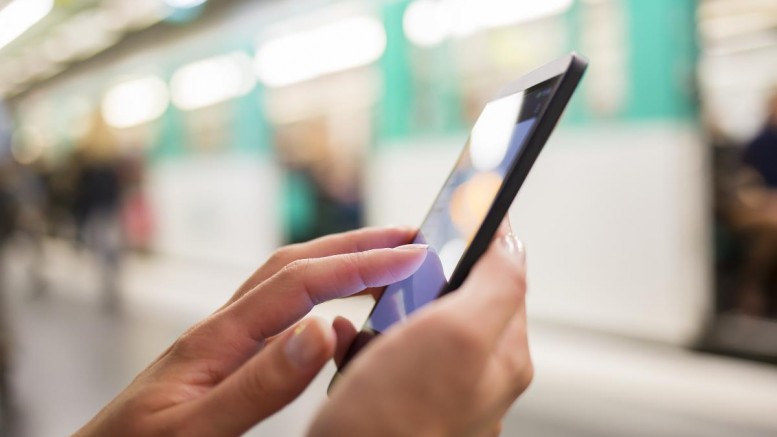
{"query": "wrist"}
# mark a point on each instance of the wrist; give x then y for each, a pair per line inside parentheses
(390, 422)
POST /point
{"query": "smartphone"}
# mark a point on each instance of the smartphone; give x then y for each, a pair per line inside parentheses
(503, 145)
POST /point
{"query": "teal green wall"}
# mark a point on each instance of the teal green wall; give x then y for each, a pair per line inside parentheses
(662, 58)
(395, 107)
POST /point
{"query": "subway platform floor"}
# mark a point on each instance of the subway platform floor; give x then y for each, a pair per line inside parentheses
(70, 357)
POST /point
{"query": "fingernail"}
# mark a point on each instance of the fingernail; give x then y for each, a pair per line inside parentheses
(304, 346)
(515, 247)
(413, 247)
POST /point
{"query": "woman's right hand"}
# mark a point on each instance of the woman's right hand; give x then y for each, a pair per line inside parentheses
(454, 368)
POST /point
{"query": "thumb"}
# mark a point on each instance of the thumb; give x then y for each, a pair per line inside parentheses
(267, 382)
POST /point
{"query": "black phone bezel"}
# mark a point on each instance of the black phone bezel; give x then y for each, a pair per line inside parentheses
(569, 71)
(568, 80)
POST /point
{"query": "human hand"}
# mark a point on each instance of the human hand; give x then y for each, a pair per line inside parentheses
(453, 369)
(242, 364)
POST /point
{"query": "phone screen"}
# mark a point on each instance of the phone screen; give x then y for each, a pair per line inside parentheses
(495, 143)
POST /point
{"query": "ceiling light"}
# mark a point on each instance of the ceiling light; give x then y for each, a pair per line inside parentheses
(20, 15)
(135, 102)
(301, 56)
(213, 80)
(429, 22)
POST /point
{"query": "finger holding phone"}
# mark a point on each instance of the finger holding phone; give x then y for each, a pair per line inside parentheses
(453, 369)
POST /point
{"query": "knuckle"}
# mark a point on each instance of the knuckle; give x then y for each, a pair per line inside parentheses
(524, 377)
(355, 262)
(192, 341)
(295, 267)
(295, 273)
(528, 374)
(352, 260)
(348, 270)
(283, 255)
(183, 346)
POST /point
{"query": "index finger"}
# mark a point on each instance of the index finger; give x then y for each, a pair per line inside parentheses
(347, 242)
(291, 293)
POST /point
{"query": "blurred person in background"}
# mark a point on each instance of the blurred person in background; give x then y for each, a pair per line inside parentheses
(754, 213)
(453, 368)
(31, 193)
(7, 197)
(97, 201)
(60, 179)
(7, 226)
(328, 174)
(136, 212)
(761, 153)
(8, 207)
